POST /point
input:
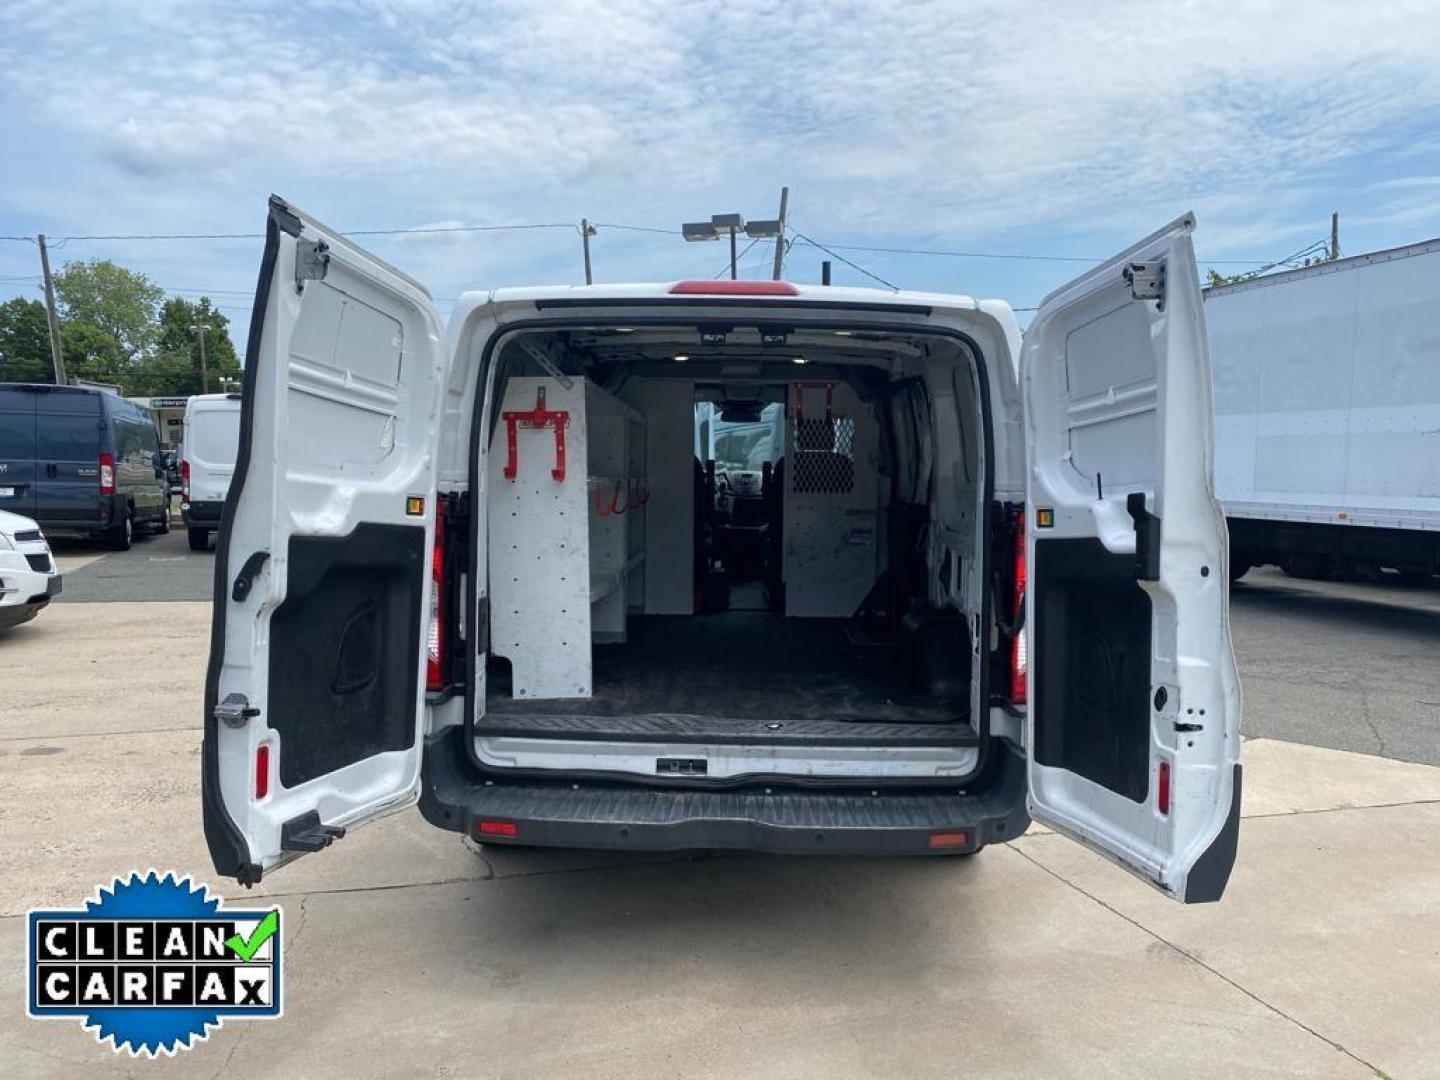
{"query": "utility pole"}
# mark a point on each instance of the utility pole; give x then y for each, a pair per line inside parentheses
(780, 236)
(56, 355)
(825, 272)
(1335, 235)
(586, 231)
(733, 273)
(198, 329)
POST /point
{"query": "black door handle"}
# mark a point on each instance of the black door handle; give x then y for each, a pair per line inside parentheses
(1147, 537)
(246, 578)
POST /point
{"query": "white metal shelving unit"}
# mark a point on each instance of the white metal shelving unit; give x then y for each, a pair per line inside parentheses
(567, 530)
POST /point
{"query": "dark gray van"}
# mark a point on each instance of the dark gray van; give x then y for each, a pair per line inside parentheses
(82, 462)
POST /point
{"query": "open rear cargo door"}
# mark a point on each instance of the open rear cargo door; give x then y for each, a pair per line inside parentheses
(314, 699)
(1134, 721)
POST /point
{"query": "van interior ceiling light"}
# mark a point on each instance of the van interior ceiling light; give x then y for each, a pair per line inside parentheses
(680, 358)
(797, 360)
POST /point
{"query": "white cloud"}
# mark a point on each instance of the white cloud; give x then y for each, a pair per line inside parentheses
(922, 119)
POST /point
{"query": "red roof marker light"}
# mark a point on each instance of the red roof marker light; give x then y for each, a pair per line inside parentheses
(734, 288)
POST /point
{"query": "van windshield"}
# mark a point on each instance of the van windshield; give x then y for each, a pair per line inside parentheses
(215, 436)
(741, 444)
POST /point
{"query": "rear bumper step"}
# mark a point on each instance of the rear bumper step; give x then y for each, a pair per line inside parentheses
(634, 818)
(664, 727)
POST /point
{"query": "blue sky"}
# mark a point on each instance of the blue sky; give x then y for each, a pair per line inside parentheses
(1003, 128)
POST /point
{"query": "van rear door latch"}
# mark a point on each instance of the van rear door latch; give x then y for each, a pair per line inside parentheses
(235, 710)
(1147, 280)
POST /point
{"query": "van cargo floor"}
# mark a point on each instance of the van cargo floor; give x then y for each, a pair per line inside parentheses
(731, 678)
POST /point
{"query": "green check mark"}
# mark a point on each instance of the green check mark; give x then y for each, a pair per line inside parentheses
(245, 948)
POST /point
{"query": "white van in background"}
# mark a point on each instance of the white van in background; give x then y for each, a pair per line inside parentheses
(212, 436)
(459, 567)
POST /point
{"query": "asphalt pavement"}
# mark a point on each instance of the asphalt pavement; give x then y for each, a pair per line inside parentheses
(156, 568)
(1346, 665)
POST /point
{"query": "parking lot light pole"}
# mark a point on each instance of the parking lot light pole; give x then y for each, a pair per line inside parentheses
(199, 329)
(733, 225)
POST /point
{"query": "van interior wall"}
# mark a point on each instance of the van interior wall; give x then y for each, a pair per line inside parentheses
(907, 652)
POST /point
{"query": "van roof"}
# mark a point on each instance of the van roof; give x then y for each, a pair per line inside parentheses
(211, 399)
(54, 388)
(902, 301)
(804, 293)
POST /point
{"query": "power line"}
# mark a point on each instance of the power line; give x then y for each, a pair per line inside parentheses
(726, 268)
(635, 228)
(1006, 255)
(854, 266)
(623, 227)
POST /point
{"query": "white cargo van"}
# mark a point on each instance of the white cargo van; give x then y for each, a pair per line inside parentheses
(466, 567)
(210, 444)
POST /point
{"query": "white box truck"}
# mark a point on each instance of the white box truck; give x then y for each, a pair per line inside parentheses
(1327, 414)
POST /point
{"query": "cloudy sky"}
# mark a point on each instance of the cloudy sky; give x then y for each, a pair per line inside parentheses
(1004, 128)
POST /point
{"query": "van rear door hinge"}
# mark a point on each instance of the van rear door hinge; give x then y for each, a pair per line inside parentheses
(312, 259)
(1146, 280)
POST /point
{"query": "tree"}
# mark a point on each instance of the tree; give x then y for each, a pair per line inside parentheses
(1214, 278)
(93, 354)
(25, 342)
(122, 303)
(177, 354)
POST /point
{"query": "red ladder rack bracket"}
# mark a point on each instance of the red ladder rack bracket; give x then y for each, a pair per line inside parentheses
(539, 418)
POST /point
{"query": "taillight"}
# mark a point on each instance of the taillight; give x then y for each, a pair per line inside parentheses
(434, 679)
(1019, 653)
(185, 480)
(107, 474)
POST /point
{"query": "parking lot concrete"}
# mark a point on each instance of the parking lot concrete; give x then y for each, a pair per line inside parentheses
(411, 952)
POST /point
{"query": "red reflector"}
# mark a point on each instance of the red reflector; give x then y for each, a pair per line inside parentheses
(948, 839)
(495, 828)
(1162, 788)
(262, 770)
(734, 288)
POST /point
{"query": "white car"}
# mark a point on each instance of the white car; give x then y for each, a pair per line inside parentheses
(28, 575)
